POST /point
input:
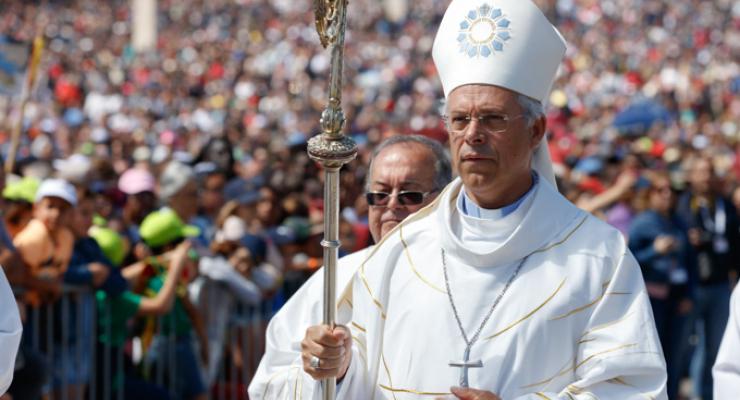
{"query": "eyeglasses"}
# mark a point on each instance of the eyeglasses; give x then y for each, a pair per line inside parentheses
(405, 198)
(487, 123)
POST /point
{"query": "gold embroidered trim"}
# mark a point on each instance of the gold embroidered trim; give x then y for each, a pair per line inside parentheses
(591, 357)
(356, 325)
(345, 300)
(412, 391)
(618, 381)
(542, 396)
(560, 373)
(361, 346)
(360, 343)
(411, 263)
(370, 292)
(603, 326)
(586, 306)
(564, 371)
(574, 389)
(387, 371)
(522, 319)
(565, 239)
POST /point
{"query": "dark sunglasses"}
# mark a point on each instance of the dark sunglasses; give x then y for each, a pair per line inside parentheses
(381, 199)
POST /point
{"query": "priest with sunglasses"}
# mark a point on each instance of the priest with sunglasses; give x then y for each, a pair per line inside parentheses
(406, 173)
(501, 288)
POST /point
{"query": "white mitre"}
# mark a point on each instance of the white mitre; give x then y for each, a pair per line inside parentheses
(506, 43)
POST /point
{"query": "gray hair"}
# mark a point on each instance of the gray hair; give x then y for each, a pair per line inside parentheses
(442, 166)
(533, 109)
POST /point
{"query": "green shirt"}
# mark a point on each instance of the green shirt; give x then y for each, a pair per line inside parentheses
(177, 317)
(113, 314)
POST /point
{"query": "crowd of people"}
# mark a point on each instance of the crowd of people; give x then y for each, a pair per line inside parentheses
(192, 158)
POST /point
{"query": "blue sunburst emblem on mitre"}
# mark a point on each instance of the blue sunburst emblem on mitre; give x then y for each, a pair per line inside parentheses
(483, 31)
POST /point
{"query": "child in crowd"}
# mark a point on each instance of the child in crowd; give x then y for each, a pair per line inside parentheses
(116, 311)
(45, 244)
(163, 231)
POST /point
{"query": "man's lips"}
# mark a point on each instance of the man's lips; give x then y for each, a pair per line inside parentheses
(475, 157)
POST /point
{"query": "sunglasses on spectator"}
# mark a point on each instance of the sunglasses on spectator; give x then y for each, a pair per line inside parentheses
(405, 198)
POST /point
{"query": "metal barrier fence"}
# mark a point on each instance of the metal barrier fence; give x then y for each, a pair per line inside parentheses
(66, 332)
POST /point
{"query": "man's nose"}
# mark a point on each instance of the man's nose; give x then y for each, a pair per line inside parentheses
(393, 203)
(473, 133)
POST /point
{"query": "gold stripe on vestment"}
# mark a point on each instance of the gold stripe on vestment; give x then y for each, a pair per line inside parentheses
(388, 372)
(529, 314)
(586, 306)
(620, 381)
(565, 370)
(565, 239)
(575, 389)
(345, 300)
(592, 356)
(604, 326)
(542, 396)
(413, 267)
(361, 346)
(412, 391)
(358, 326)
(561, 372)
(370, 292)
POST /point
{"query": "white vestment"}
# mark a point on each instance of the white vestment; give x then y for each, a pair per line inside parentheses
(10, 333)
(726, 371)
(281, 364)
(576, 322)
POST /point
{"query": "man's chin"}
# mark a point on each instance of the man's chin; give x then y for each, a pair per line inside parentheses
(387, 227)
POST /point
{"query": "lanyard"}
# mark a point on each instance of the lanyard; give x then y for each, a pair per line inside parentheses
(719, 224)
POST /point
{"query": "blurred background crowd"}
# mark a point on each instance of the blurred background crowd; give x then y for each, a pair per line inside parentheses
(192, 157)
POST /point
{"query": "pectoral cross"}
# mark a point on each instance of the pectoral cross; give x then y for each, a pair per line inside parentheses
(464, 365)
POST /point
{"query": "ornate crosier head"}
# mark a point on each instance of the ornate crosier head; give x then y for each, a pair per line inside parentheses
(327, 21)
(332, 148)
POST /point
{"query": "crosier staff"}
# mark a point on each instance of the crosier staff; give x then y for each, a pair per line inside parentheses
(332, 149)
(31, 72)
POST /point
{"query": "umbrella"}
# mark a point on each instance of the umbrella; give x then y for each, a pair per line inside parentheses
(639, 116)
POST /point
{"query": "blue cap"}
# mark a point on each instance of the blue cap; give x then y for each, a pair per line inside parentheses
(242, 191)
(256, 246)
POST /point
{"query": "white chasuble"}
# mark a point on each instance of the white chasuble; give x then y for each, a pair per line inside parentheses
(726, 371)
(280, 374)
(10, 333)
(575, 323)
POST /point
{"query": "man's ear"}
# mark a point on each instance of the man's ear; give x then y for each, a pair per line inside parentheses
(537, 131)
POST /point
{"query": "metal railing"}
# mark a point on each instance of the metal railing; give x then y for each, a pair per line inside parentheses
(66, 333)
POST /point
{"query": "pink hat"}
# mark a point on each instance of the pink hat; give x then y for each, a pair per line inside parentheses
(136, 180)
